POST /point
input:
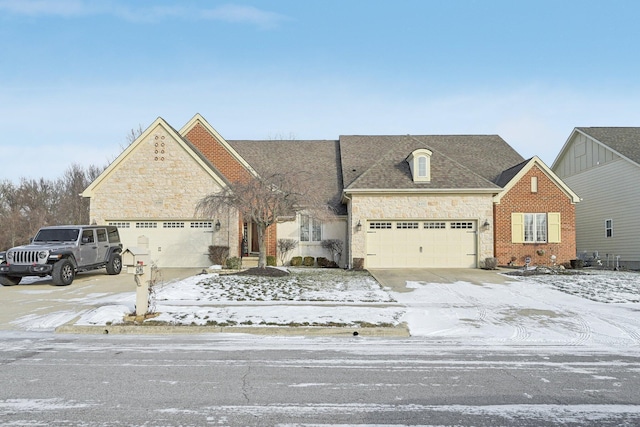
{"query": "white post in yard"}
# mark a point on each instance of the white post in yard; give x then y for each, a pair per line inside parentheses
(142, 289)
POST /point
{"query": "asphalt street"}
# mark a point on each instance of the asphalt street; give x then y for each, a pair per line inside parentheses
(219, 379)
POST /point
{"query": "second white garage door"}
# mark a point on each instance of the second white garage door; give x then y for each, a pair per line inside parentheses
(421, 244)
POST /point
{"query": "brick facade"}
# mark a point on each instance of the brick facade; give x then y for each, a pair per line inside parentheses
(234, 171)
(521, 199)
(217, 154)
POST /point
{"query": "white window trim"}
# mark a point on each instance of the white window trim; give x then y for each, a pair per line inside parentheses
(418, 173)
(535, 233)
(314, 229)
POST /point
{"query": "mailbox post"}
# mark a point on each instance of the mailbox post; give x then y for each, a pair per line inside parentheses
(142, 289)
(136, 260)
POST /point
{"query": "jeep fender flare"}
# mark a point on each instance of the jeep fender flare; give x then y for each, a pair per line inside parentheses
(113, 250)
(68, 255)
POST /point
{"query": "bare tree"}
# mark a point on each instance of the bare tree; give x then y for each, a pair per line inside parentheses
(284, 247)
(335, 247)
(34, 203)
(263, 199)
(73, 208)
(133, 135)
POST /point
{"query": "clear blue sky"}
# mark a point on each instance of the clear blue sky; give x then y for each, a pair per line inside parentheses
(77, 75)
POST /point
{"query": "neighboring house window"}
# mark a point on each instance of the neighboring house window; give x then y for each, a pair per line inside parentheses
(535, 227)
(310, 229)
(608, 228)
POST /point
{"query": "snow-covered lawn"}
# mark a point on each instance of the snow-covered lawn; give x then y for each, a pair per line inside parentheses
(599, 308)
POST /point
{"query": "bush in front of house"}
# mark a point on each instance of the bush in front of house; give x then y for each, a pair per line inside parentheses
(296, 261)
(325, 263)
(234, 263)
(271, 261)
(218, 254)
(308, 261)
(284, 247)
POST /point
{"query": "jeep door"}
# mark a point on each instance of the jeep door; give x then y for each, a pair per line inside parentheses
(103, 244)
(88, 248)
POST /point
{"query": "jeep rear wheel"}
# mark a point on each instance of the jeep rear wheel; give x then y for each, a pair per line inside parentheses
(9, 280)
(114, 266)
(63, 273)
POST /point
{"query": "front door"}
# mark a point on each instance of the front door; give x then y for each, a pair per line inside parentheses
(254, 244)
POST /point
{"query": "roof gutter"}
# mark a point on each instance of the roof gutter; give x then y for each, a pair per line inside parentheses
(492, 191)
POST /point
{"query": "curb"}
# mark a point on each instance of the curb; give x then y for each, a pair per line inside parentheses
(398, 331)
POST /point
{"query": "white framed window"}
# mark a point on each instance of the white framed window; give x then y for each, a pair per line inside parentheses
(310, 229)
(379, 225)
(121, 224)
(435, 225)
(146, 224)
(608, 228)
(202, 224)
(407, 225)
(420, 164)
(422, 167)
(468, 225)
(173, 224)
(535, 227)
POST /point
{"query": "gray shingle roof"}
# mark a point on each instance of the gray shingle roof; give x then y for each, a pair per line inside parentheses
(319, 159)
(507, 175)
(379, 161)
(457, 162)
(624, 140)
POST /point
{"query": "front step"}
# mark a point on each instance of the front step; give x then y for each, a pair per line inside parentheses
(249, 261)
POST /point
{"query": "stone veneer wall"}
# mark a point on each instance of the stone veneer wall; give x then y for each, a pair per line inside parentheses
(423, 207)
(159, 179)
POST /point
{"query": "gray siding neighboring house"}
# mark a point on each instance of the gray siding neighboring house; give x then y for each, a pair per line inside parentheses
(602, 165)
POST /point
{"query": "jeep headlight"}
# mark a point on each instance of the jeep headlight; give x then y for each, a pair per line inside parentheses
(43, 254)
(9, 256)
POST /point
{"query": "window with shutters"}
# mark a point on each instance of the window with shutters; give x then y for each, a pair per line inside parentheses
(535, 227)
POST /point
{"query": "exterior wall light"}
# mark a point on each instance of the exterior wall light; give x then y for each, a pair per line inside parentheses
(217, 226)
(359, 226)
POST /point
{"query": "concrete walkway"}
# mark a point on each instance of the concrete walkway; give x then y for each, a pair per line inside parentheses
(396, 278)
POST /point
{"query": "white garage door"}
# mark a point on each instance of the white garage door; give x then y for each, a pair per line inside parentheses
(421, 244)
(171, 243)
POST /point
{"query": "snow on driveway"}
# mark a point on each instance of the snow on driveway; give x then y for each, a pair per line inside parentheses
(600, 308)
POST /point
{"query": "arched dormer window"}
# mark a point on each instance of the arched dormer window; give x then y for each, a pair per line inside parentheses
(420, 164)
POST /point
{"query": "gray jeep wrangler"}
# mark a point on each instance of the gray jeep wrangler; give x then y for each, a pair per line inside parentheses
(61, 252)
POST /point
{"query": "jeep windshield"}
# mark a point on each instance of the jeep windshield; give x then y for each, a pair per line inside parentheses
(57, 235)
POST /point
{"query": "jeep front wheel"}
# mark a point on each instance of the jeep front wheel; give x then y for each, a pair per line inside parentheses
(9, 280)
(63, 273)
(114, 266)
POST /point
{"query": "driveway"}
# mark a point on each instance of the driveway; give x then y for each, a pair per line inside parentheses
(397, 278)
(39, 297)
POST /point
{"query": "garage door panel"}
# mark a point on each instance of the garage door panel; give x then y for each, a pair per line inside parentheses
(415, 244)
(174, 244)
